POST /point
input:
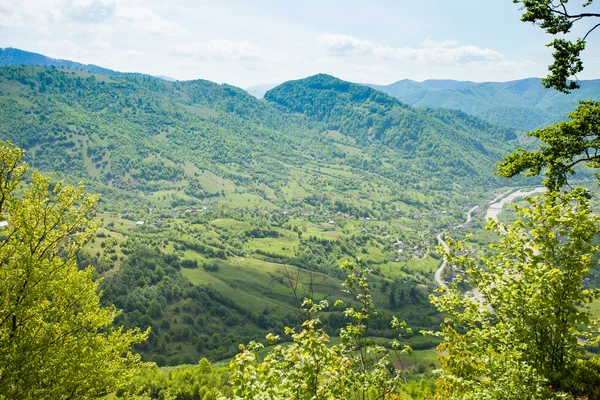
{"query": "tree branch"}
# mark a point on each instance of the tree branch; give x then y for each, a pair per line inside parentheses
(590, 31)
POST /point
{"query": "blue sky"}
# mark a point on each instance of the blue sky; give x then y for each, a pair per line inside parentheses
(252, 42)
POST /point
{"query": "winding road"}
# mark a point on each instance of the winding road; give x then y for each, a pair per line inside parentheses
(494, 208)
(440, 270)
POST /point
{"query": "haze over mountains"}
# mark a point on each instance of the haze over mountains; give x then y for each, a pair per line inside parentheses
(523, 104)
(12, 56)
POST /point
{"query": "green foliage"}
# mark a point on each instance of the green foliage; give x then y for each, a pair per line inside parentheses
(556, 19)
(221, 181)
(310, 368)
(202, 381)
(565, 145)
(151, 291)
(140, 133)
(516, 336)
(56, 340)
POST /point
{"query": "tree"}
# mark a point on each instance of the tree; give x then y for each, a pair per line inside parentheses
(56, 341)
(310, 368)
(518, 336)
(556, 19)
(565, 145)
(568, 143)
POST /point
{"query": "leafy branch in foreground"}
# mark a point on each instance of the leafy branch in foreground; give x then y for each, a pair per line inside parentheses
(565, 145)
(520, 333)
(556, 19)
(56, 341)
(311, 368)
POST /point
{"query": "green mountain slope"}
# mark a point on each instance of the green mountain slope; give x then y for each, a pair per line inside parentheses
(437, 144)
(524, 104)
(215, 204)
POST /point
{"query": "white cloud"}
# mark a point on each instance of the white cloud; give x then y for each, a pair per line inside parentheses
(90, 10)
(226, 50)
(146, 21)
(344, 45)
(101, 44)
(28, 13)
(85, 16)
(445, 52)
(86, 31)
(37, 14)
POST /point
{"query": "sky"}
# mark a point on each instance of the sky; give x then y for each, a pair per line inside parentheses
(251, 42)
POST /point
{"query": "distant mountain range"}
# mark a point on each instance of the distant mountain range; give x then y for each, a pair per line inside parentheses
(523, 104)
(259, 91)
(12, 56)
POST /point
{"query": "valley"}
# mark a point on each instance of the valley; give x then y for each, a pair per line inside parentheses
(217, 208)
(219, 212)
(226, 200)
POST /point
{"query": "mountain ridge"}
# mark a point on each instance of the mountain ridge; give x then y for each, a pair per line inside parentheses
(370, 116)
(522, 104)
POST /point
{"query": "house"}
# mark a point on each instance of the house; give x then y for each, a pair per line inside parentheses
(139, 223)
(4, 224)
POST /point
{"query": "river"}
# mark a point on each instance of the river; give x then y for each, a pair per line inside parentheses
(494, 208)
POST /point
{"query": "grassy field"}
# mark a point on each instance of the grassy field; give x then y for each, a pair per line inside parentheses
(595, 308)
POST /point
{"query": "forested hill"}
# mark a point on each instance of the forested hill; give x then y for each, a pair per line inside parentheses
(447, 142)
(203, 184)
(147, 134)
(137, 132)
(522, 104)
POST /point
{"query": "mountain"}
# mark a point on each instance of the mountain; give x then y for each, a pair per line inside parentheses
(215, 204)
(259, 91)
(12, 56)
(523, 104)
(449, 142)
(138, 132)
